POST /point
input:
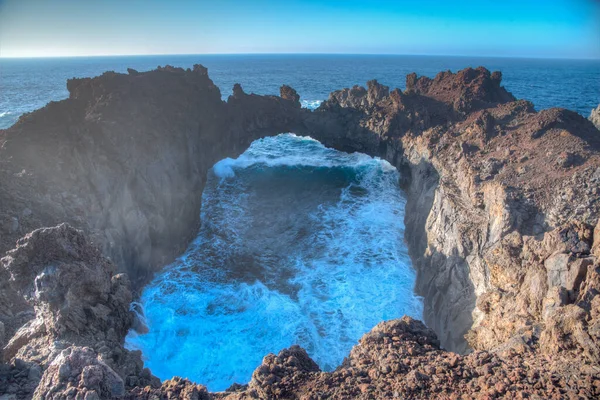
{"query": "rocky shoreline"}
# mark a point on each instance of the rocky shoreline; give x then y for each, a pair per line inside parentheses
(501, 223)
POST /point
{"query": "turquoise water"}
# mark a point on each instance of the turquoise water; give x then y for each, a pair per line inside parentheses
(300, 244)
(28, 84)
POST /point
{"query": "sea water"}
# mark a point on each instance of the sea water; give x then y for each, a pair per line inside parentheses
(28, 84)
(299, 244)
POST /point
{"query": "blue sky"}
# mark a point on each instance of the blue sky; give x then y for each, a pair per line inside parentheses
(524, 28)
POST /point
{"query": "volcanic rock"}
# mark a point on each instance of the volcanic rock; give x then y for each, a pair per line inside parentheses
(595, 117)
(501, 207)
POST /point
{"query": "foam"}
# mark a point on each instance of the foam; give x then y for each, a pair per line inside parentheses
(300, 244)
(298, 151)
(311, 104)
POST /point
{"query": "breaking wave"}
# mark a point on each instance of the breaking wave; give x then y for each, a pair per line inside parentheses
(311, 104)
(299, 244)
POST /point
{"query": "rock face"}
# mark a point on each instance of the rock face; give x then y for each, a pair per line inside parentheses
(78, 373)
(125, 158)
(71, 285)
(595, 117)
(485, 175)
(501, 223)
(77, 300)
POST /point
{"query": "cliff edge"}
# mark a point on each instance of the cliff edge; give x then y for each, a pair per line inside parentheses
(125, 159)
(501, 223)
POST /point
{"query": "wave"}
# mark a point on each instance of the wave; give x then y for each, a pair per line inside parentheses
(311, 104)
(299, 244)
(298, 151)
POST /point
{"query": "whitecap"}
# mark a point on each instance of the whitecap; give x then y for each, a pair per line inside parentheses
(224, 168)
(311, 104)
(299, 244)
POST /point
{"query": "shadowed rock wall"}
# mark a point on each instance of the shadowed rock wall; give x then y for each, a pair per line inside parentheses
(125, 158)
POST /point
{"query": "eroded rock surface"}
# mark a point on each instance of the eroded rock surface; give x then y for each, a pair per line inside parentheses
(595, 116)
(502, 226)
(402, 359)
(487, 178)
(79, 321)
(125, 159)
(78, 373)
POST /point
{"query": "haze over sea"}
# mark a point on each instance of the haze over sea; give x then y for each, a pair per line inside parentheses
(28, 84)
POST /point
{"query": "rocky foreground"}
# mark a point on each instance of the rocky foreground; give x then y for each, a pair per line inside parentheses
(501, 222)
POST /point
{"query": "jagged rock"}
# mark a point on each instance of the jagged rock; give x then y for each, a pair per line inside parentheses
(125, 159)
(478, 171)
(572, 237)
(402, 359)
(277, 375)
(70, 283)
(467, 90)
(376, 92)
(289, 93)
(19, 379)
(556, 298)
(172, 389)
(558, 268)
(78, 373)
(566, 331)
(577, 273)
(596, 243)
(78, 302)
(595, 117)
(238, 92)
(501, 201)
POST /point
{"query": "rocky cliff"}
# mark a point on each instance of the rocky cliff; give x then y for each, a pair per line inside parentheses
(125, 158)
(595, 116)
(496, 191)
(73, 345)
(500, 222)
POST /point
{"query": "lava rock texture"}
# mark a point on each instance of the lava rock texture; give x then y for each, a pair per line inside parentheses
(501, 216)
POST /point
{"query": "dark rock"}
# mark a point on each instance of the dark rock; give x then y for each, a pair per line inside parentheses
(502, 241)
(288, 93)
(125, 159)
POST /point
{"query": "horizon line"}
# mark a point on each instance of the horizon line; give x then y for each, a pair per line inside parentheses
(299, 53)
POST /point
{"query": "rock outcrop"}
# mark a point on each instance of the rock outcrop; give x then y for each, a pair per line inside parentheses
(79, 321)
(125, 159)
(402, 359)
(78, 373)
(501, 223)
(485, 175)
(595, 117)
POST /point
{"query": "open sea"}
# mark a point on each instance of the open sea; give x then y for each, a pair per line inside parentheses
(299, 244)
(28, 84)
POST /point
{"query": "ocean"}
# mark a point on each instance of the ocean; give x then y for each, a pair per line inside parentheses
(28, 84)
(299, 244)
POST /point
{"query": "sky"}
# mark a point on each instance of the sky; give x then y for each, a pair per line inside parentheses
(520, 28)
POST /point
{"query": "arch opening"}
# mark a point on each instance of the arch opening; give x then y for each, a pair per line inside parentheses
(299, 244)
